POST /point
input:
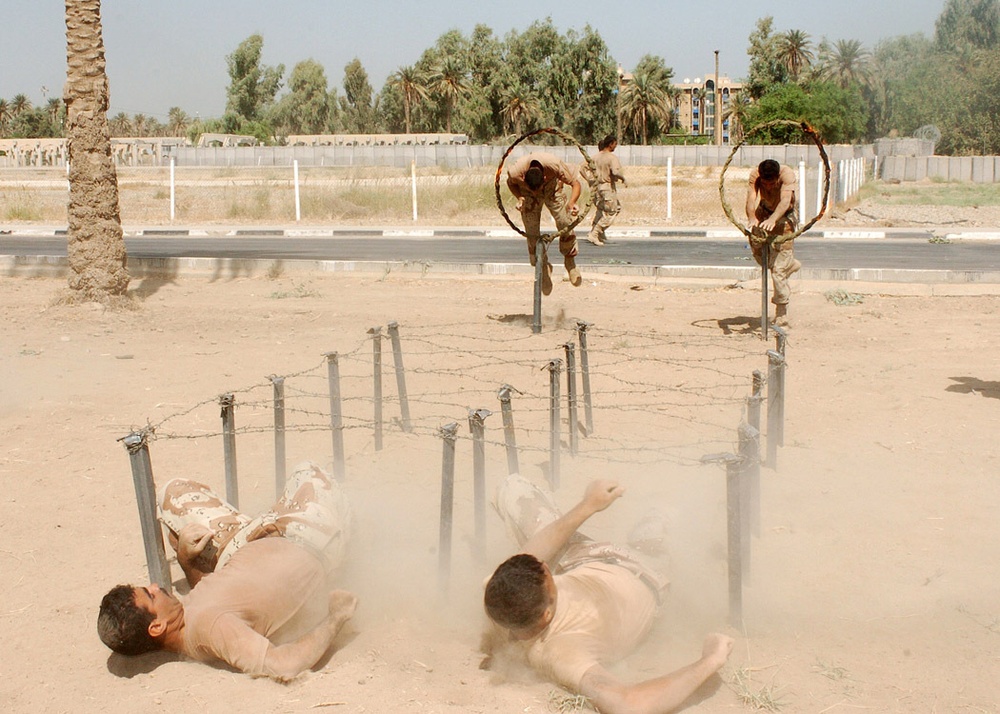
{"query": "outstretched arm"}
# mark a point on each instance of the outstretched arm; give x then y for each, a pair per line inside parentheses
(283, 662)
(548, 543)
(660, 694)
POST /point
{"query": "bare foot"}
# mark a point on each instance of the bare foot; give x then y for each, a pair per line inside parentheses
(342, 607)
(716, 649)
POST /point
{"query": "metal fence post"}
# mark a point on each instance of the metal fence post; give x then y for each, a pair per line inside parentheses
(734, 532)
(753, 418)
(774, 398)
(508, 428)
(749, 451)
(477, 425)
(554, 367)
(397, 359)
(376, 333)
(588, 407)
(145, 498)
(227, 402)
(447, 433)
(278, 383)
(536, 312)
(765, 258)
(780, 339)
(336, 415)
(571, 395)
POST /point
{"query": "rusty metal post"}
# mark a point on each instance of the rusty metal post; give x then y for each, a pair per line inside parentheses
(145, 498)
(477, 426)
(571, 395)
(749, 451)
(279, 434)
(753, 418)
(508, 428)
(376, 333)
(554, 367)
(336, 415)
(447, 433)
(228, 402)
(536, 314)
(734, 532)
(397, 359)
(588, 407)
(774, 398)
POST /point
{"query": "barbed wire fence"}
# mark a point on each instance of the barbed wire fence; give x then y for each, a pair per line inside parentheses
(647, 399)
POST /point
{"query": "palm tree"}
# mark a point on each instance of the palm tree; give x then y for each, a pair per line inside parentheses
(177, 121)
(140, 124)
(736, 112)
(518, 109)
(645, 101)
(848, 62)
(450, 83)
(19, 105)
(95, 245)
(794, 51)
(120, 125)
(411, 83)
(5, 115)
(52, 109)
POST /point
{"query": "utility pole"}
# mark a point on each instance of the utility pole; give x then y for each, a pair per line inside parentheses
(718, 104)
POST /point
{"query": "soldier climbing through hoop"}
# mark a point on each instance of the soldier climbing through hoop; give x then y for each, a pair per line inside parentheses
(538, 179)
(770, 208)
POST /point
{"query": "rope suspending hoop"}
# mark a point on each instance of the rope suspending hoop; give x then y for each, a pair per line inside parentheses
(812, 134)
(581, 213)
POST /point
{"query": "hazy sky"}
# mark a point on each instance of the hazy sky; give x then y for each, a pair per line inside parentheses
(164, 54)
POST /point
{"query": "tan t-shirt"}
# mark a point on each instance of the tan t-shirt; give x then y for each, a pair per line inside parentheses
(552, 168)
(271, 591)
(602, 612)
(609, 168)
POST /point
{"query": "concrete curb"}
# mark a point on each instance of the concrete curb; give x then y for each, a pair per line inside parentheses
(461, 232)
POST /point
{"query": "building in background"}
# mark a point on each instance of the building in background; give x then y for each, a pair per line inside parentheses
(696, 106)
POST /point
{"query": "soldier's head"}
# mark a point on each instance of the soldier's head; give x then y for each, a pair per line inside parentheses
(609, 141)
(535, 175)
(769, 169)
(521, 595)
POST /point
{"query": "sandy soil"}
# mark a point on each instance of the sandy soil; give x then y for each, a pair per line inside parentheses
(873, 584)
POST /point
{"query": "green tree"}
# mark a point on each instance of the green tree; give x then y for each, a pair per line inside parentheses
(450, 83)
(252, 85)
(359, 113)
(306, 107)
(177, 121)
(766, 69)
(647, 101)
(19, 104)
(5, 116)
(846, 62)
(965, 25)
(411, 83)
(794, 50)
(838, 114)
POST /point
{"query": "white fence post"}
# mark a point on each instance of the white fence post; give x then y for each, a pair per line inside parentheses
(295, 182)
(172, 193)
(670, 187)
(802, 191)
(413, 184)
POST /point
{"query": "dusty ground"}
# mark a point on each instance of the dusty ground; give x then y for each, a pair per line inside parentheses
(874, 581)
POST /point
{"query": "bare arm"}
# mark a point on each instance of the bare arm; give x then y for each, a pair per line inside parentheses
(283, 662)
(548, 543)
(191, 543)
(658, 695)
(574, 195)
(784, 203)
(751, 203)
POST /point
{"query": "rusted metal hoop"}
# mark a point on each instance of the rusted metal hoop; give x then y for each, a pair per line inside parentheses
(814, 135)
(580, 213)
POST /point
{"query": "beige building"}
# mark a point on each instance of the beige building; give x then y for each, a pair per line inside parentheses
(696, 105)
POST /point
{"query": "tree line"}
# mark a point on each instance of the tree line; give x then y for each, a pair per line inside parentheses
(493, 89)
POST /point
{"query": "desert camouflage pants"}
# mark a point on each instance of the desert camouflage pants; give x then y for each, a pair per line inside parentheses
(607, 207)
(553, 197)
(781, 259)
(526, 509)
(313, 512)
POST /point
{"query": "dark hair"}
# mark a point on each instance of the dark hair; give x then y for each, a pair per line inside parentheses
(515, 596)
(124, 626)
(607, 141)
(769, 169)
(534, 176)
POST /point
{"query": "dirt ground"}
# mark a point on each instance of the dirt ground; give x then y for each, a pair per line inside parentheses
(873, 583)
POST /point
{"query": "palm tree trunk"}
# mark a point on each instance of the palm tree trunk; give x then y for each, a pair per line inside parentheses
(96, 246)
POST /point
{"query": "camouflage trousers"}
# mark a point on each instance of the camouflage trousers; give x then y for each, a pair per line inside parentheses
(607, 207)
(312, 512)
(553, 197)
(525, 509)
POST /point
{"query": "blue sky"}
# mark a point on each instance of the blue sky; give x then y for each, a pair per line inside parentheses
(164, 54)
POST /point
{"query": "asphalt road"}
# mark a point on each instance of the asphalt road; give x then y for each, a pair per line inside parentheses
(815, 252)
